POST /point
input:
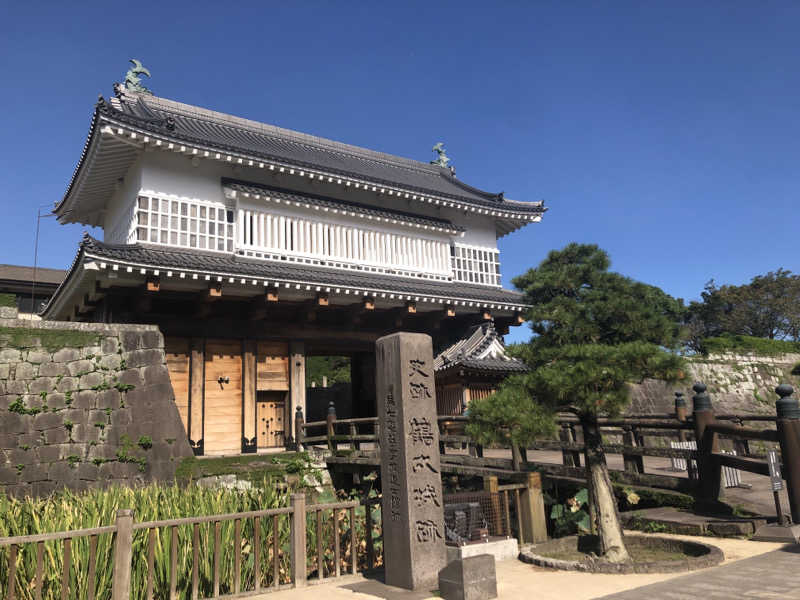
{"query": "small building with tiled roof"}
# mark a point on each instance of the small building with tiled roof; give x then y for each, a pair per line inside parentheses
(253, 246)
(31, 287)
(472, 368)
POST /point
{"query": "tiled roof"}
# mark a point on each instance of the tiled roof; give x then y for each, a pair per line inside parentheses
(483, 349)
(218, 130)
(233, 265)
(341, 205)
(25, 274)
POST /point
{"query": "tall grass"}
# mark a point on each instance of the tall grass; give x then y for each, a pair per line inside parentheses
(66, 510)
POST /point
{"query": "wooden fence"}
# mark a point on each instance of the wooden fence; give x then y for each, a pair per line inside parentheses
(265, 568)
(633, 431)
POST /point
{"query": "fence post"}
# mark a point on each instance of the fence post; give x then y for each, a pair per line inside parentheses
(566, 434)
(633, 463)
(788, 422)
(710, 470)
(490, 484)
(354, 445)
(516, 457)
(299, 435)
(681, 413)
(298, 543)
(534, 523)
(123, 553)
(331, 419)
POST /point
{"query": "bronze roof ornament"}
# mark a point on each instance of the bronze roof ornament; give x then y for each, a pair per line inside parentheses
(442, 158)
(133, 83)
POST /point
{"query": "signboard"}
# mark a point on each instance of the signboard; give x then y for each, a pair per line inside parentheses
(774, 471)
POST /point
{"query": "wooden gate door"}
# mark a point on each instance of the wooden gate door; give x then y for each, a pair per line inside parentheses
(269, 415)
(223, 397)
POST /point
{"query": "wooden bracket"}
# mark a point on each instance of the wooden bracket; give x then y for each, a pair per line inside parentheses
(322, 299)
(486, 314)
(368, 303)
(153, 284)
(411, 307)
(214, 291)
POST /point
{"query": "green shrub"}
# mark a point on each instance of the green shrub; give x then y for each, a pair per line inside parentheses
(8, 301)
(748, 344)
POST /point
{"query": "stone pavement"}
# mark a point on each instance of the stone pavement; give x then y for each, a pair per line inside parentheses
(774, 575)
(519, 581)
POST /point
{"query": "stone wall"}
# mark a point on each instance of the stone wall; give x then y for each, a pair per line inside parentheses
(85, 405)
(737, 383)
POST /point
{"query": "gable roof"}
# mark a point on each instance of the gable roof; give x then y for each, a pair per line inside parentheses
(482, 350)
(126, 120)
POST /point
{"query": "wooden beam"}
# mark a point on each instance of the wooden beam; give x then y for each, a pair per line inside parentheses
(368, 303)
(411, 307)
(153, 284)
(322, 299)
(272, 295)
(518, 319)
(486, 314)
(449, 311)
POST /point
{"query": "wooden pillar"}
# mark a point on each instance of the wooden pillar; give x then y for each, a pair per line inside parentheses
(298, 540)
(534, 523)
(681, 413)
(123, 554)
(297, 385)
(491, 485)
(197, 391)
(249, 397)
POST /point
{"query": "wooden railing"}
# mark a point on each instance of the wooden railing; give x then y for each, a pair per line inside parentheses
(701, 426)
(255, 522)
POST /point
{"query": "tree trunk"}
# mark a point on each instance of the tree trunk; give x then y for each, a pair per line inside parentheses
(603, 504)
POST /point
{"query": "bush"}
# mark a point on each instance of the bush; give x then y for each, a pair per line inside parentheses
(748, 344)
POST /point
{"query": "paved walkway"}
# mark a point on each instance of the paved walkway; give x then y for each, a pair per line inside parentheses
(519, 581)
(774, 575)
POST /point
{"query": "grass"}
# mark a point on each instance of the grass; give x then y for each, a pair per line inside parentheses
(65, 510)
(251, 466)
(50, 339)
(8, 301)
(748, 344)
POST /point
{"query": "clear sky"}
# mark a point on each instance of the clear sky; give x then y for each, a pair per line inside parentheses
(666, 132)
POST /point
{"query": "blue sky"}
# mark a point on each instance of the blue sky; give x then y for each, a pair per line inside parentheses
(665, 132)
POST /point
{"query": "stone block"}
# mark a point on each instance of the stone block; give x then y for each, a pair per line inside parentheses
(16, 387)
(14, 423)
(21, 457)
(156, 374)
(33, 472)
(43, 488)
(5, 400)
(152, 339)
(67, 384)
(104, 451)
(109, 345)
(8, 440)
(30, 440)
(9, 312)
(131, 341)
(110, 362)
(57, 435)
(4, 370)
(38, 357)
(90, 352)
(47, 420)
(84, 400)
(24, 370)
(108, 399)
(80, 367)
(48, 454)
(87, 470)
(62, 471)
(91, 380)
(42, 384)
(472, 578)
(8, 475)
(56, 400)
(10, 355)
(131, 377)
(121, 418)
(66, 355)
(143, 358)
(52, 369)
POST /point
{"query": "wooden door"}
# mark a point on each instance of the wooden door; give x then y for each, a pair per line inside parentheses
(270, 420)
(177, 354)
(223, 397)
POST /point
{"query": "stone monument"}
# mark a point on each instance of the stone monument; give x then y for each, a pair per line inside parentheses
(413, 507)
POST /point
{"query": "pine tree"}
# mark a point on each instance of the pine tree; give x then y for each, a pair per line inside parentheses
(595, 332)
